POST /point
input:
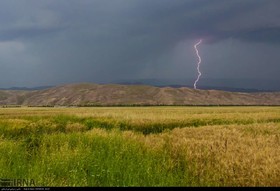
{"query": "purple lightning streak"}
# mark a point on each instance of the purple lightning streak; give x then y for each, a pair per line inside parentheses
(198, 64)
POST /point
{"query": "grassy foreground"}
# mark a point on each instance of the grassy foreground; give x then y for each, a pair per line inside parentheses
(141, 146)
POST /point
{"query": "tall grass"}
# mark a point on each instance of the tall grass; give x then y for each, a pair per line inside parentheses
(95, 158)
(141, 146)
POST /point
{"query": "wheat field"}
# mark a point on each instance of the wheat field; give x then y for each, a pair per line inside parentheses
(141, 146)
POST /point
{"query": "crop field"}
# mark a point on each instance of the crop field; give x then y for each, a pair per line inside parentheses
(141, 146)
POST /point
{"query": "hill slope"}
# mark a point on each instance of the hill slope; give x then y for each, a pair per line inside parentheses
(111, 94)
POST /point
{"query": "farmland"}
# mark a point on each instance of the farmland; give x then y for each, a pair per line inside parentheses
(141, 146)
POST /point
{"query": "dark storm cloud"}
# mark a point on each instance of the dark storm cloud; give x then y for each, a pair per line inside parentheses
(189, 18)
(50, 42)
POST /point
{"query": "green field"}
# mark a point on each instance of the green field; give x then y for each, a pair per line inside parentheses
(141, 146)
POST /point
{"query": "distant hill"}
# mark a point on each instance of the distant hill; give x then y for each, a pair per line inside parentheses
(87, 94)
(233, 85)
(25, 88)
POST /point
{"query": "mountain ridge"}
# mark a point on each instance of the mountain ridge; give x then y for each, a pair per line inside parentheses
(90, 94)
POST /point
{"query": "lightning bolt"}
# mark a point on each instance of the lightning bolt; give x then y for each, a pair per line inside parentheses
(198, 63)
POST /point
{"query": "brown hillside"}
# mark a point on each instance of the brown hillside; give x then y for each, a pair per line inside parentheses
(111, 94)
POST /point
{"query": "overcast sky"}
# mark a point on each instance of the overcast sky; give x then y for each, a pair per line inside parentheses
(51, 42)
